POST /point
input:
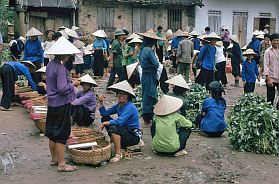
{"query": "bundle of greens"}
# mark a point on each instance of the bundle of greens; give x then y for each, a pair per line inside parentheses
(254, 125)
(195, 96)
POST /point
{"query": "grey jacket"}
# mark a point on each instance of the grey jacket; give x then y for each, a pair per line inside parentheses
(185, 51)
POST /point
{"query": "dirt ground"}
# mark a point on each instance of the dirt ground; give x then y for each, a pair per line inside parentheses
(209, 160)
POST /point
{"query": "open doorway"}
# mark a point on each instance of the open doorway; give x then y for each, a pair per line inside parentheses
(263, 22)
(259, 24)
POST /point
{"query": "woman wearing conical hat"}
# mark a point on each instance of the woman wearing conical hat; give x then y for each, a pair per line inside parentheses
(124, 130)
(60, 94)
(33, 51)
(84, 107)
(41, 86)
(170, 130)
(236, 59)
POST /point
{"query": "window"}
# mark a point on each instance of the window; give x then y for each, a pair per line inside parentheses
(214, 20)
(265, 14)
(143, 19)
(105, 18)
(174, 19)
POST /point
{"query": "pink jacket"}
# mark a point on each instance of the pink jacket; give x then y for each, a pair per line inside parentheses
(271, 64)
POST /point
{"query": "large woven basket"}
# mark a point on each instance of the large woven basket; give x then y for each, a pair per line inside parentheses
(95, 155)
(41, 125)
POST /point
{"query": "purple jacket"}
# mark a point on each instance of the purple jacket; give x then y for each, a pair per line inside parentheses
(88, 100)
(60, 90)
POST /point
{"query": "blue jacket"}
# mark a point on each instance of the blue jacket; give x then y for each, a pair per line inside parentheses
(127, 115)
(20, 69)
(214, 120)
(256, 46)
(249, 71)
(207, 56)
(175, 42)
(196, 43)
(33, 51)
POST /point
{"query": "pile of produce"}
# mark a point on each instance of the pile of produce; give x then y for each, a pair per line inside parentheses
(195, 96)
(83, 135)
(254, 125)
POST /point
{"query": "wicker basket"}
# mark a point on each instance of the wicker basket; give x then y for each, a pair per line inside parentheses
(41, 125)
(95, 155)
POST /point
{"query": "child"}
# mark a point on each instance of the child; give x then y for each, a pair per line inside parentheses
(41, 86)
(84, 107)
(212, 119)
(79, 58)
(249, 71)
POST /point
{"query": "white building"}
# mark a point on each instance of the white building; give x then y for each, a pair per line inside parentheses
(242, 17)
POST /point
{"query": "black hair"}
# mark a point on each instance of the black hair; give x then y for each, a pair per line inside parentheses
(159, 28)
(207, 29)
(266, 35)
(217, 96)
(56, 35)
(125, 31)
(130, 97)
(177, 90)
(149, 42)
(274, 36)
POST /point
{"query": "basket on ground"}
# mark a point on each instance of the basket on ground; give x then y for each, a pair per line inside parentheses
(94, 155)
(41, 125)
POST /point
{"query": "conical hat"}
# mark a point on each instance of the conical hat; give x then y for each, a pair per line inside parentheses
(194, 33)
(178, 80)
(244, 47)
(104, 33)
(87, 79)
(213, 35)
(71, 33)
(29, 62)
(234, 38)
(99, 33)
(185, 34)
(62, 27)
(201, 37)
(61, 47)
(33, 32)
(230, 46)
(135, 40)
(256, 33)
(167, 105)
(178, 32)
(123, 86)
(74, 28)
(79, 44)
(64, 34)
(43, 69)
(150, 34)
(249, 52)
(133, 35)
(219, 43)
(261, 32)
(131, 68)
(88, 50)
(261, 36)
(266, 25)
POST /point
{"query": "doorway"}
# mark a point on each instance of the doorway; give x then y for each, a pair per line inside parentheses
(240, 26)
(259, 24)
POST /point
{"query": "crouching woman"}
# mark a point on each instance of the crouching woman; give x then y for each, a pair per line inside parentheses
(170, 130)
(124, 131)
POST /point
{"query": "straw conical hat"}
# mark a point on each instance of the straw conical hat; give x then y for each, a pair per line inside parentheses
(61, 47)
(219, 43)
(43, 69)
(79, 44)
(256, 33)
(178, 81)
(29, 62)
(249, 52)
(261, 36)
(212, 35)
(64, 34)
(131, 68)
(185, 34)
(135, 40)
(123, 86)
(266, 25)
(87, 79)
(150, 34)
(74, 28)
(178, 32)
(167, 105)
(71, 33)
(261, 32)
(88, 50)
(104, 33)
(133, 35)
(194, 33)
(33, 32)
(99, 33)
(234, 38)
(244, 47)
(202, 37)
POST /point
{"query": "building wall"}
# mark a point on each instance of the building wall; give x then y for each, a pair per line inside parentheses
(253, 7)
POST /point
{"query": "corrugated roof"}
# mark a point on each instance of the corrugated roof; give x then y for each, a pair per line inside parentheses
(165, 2)
(45, 3)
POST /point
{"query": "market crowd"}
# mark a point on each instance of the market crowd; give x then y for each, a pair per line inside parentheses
(57, 66)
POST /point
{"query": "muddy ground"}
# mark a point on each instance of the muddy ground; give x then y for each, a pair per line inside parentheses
(209, 160)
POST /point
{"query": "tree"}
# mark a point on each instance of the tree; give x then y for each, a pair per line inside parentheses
(6, 14)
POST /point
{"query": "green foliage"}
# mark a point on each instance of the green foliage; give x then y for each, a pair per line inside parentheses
(6, 14)
(5, 55)
(254, 125)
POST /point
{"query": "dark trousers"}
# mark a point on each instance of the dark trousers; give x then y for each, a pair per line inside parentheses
(37, 75)
(205, 77)
(88, 62)
(164, 86)
(249, 87)
(99, 63)
(81, 115)
(209, 134)
(160, 53)
(114, 71)
(46, 61)
(220, 74)
(8, 85)
(271, 93)
(184, 134)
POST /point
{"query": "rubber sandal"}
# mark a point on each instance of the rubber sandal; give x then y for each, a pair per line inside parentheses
(4, 109)
(53, 163)
(67, 168)
(116, 158)
(180, 153)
